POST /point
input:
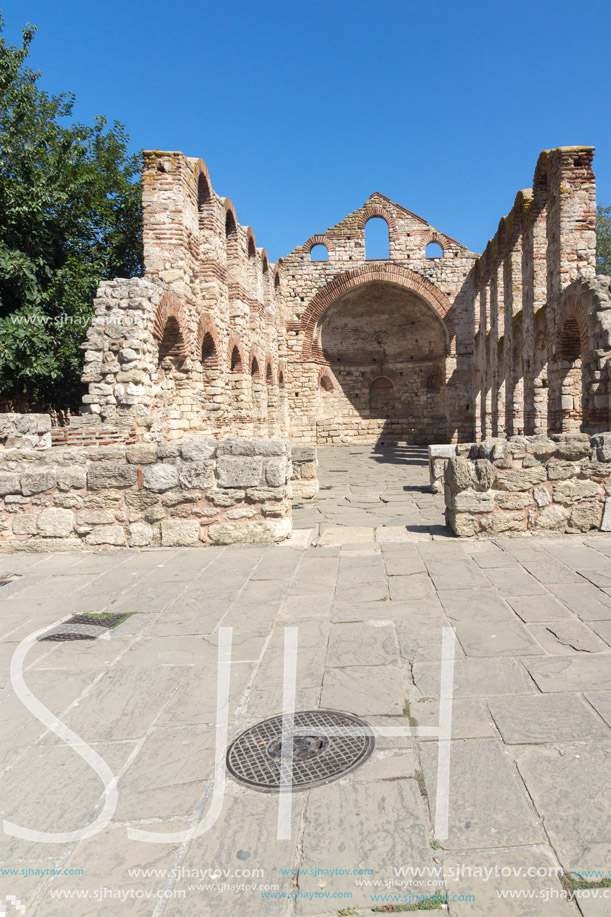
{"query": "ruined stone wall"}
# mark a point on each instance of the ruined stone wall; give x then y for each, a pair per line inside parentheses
(540, 349)
(197, 344)
(530, 483)
(25, 431)
(435, 293)
(168, 494)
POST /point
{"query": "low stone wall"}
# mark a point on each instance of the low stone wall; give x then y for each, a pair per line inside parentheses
(439, 456)
(304, 480)
(168, 494)
(25, 431)
(557, 484)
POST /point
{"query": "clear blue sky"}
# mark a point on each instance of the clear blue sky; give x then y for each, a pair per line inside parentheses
(302, 109)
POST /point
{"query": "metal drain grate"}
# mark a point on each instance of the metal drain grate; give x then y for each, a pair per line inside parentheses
(84, 627)
(254, 758)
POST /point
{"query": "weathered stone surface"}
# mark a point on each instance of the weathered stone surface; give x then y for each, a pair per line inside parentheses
(484, 474)
(275, 472)
(109, 475)
(37, 480)
(520, 479)
(140, 534)
(570, 492)
(542, 496)
(141, 453)
(95, 517)
(559, 471)
(25, 524)
(586, 515)
(107, 534)
(512, 500)
(71, 477)
(237, 471)
(550, 517)
(503, 522)
(255, 531)
(160, 478)
(605, 525)
(176, 532)
(471, 502)
(460, 474)
(9, 483)
(197, 452)
(197, 474)
(56, 523)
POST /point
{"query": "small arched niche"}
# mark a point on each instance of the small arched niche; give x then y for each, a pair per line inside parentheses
(208, 350)
(377, 239)
(434, 250)
(171, 345)
(326, 384)
(254, 368)
(319, 252)
(236, 360)
(381, 397)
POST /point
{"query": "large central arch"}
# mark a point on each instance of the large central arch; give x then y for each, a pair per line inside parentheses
(377, 340)
(381, 273)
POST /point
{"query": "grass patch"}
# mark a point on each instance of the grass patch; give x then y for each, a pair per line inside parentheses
(109, 614)
(408, 713)
(435, 845)
(421, 785)
(571, 883)
(347, 912)
(434, 903)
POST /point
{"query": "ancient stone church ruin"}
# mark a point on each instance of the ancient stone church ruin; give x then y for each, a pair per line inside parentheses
(217, 345)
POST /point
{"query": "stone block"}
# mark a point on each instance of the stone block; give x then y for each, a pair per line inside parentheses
(197, 474)
(463, 524)
(605, 525)
(197, 452)
(484, 474)
(260, 531)
(95, 517)
(71, 477)
(239, 471)
(37, 480)
(141, 499)
(471, 502)
(574, 446)
(56, 523)
(512, 499)
(107, 534)
(542, 496)
(141, 453)
(587, 515)
(275, 472)
(460, 474)
(601, 447)
(24, 524)
(551, 518)
(442, 451)
(140, 534)
(560, 471)
(503, 522)
(154, 514)
(179, 532)
(9, 483)
(301, 454)
(519, 478)
(570, 492)
(106, 475)
(159, 477)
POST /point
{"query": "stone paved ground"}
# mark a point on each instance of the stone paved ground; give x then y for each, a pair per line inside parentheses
(531, 750)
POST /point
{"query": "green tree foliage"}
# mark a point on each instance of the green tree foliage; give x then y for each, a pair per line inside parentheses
(603, 240)
(70, 216)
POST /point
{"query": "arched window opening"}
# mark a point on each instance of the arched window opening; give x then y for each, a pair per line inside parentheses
(208, 349)
(381, 397)
(377, 239)
(236, 360)
(171, 346)
(231, 229)
(319, 252)
(281, 379)
(203, 193)
(269, 375)
(434, 250)
(254, 368)
(326, 384)
(433, 382)
(265, 266)
(276, 281)
(570, 341)
(252, 249)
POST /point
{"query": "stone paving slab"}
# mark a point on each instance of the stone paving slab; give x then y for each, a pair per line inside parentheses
(531, 723)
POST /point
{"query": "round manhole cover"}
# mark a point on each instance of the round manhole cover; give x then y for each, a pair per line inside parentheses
(319, 756)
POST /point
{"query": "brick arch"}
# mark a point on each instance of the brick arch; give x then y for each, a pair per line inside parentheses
(373, 209)
(251, 244)
(319, 239)
(572, 307)
(234, 342)
(206, 326)
(270, 377)
(201, 172)
(379, 373)
(256, 355)
(326, 371)
(229, 208)
(382, 272)
(170, 306)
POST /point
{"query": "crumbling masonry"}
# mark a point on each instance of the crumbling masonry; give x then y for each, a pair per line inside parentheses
(218, 347)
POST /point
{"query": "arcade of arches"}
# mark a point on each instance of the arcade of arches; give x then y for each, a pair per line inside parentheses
(431, 343)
